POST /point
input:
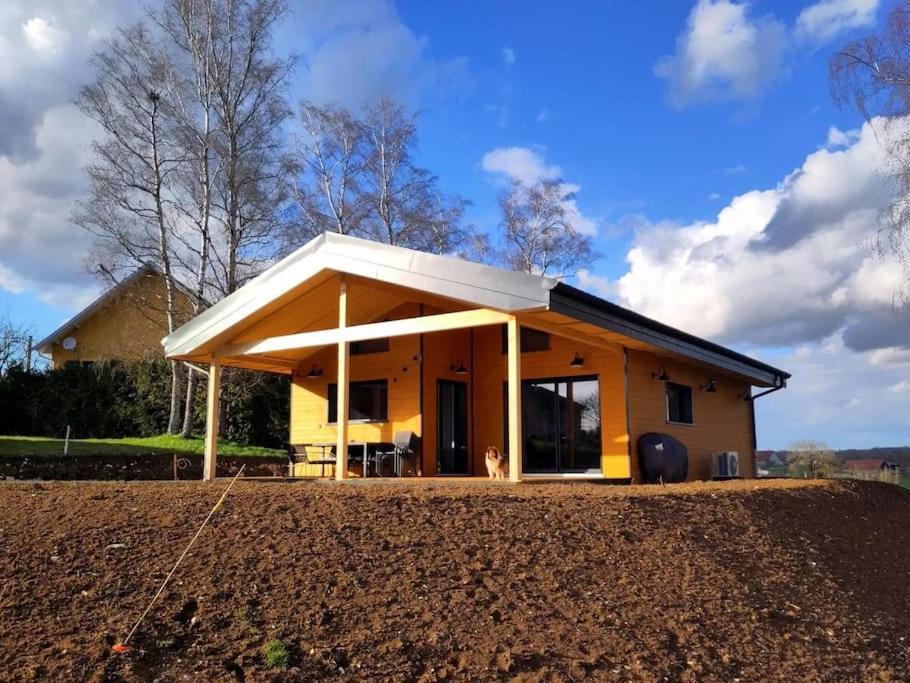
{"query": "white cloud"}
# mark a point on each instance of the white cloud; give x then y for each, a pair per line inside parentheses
(45, 46)
(44, 142)
(528, 166)
(724, 53)
(737, 169)
(508, 56)
(543, 115)
(727, 53)
(43, 37)
(40, 250)
(827, 18)
(519, 163)
(357, 51)
(835, 395)
(782, 266)
(714, 196)
(841, 138)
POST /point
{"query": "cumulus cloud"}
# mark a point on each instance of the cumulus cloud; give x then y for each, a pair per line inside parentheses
(44, 50)
(724, 53)
(838, 396)
(529, 166)
(40, 250)
(828, 18)
(779, 267)
(508, 56)
(357, 51)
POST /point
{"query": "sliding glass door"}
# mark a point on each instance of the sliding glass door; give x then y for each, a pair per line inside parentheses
(561, 425)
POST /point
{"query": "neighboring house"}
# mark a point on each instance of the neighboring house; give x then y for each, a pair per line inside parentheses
(465, 356)
(770, 458)
(127, 322)
(871, 465)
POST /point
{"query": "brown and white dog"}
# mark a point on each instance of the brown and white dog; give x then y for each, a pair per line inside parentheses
(497, 464)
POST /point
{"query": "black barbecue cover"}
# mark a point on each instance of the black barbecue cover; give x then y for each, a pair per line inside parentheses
(662, 458)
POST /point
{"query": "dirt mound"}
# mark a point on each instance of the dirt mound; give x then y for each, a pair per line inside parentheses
(416, 581)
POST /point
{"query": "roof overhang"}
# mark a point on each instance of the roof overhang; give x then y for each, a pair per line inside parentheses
(588, 308)
(471, 283)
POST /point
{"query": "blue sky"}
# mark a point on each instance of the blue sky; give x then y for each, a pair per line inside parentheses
(665, 115)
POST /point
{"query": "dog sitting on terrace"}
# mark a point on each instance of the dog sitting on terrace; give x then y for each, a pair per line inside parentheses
(497, 464)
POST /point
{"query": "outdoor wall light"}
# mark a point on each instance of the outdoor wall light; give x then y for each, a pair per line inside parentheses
(459, 368)
(577, 361)
(417, 358)
(710, 386)
(661, 375)
(314, 372)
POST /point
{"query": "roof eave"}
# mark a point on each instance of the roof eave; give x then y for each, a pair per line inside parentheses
(586, 307)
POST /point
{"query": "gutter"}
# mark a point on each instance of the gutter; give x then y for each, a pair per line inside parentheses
(751, 400)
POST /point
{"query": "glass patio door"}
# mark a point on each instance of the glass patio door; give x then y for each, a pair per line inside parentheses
(561, 425)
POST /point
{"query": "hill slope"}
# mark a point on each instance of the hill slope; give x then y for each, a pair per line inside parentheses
(765, 580)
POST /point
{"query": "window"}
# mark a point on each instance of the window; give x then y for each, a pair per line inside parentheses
(679, 403)
(368, 402)
(360, 348)
(531, 340)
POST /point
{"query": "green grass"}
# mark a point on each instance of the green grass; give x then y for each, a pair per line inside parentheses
(276, 654)
(166, 444)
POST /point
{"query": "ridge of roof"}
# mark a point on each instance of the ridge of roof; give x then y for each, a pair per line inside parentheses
(442, 275)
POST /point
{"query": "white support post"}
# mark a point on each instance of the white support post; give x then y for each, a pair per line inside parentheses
(212, 413)
(344, 366)
(514, 366)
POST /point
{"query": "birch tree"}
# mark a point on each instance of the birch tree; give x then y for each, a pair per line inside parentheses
(328, 164)
(189, 27)
(538, 232)
(872, 76)
(128, 207)
(249, 100)
(405, 205)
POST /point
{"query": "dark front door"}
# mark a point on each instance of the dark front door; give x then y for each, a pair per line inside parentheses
(451, 427)
(561, 425)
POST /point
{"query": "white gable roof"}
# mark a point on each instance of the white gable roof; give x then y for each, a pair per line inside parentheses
(452, 278)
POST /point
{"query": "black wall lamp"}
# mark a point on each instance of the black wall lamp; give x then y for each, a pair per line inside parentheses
(314, 372)
(577, 361)
(710, 386)
(459, 368)
(661, 375)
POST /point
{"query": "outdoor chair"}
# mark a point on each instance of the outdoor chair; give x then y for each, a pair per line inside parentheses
(301, 453)
(403, 446)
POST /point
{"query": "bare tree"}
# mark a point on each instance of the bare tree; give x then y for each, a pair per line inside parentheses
(872, 75)
(538, 231)
(249, 87)
(406, 208)
(328, 162)
(812, 460)
(128, 207)
(15, 345)
(189, 27)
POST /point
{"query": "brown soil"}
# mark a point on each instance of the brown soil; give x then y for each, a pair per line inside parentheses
(424, 581)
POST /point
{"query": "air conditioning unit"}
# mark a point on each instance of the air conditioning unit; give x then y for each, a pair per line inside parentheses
(726, 464)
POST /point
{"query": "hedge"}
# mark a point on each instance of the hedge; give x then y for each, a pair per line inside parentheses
(118, 399)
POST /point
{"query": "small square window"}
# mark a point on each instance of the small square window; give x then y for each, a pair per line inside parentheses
(679, 403)
(360, 348)
(531, 340)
